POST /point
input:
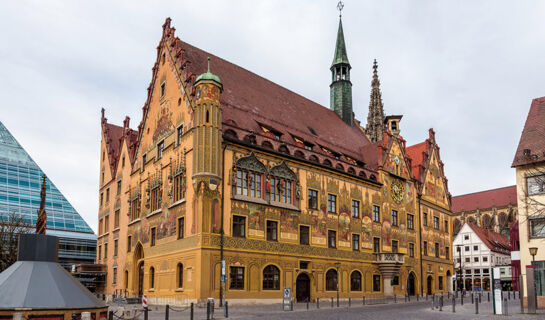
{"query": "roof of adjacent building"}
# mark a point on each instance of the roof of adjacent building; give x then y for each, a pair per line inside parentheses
(417, 154)
(531, 148)
(496, 242)
(499, 197)
(114, 137)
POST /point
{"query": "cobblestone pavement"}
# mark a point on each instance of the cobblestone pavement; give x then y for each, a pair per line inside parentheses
(401, 310)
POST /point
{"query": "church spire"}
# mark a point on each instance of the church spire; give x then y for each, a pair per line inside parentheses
(341, 88)
(375, 118)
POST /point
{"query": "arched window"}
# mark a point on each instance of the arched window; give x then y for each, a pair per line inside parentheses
(362, 174)
(351, 170)
(328, 163)
(271, 278)
(267, 144)
(248, 177)
(250, 139)
(283, 181)
(339, 167)
(313, 158)
(180, 275)
(355, 281)
(331, 280)
(299, 154)
(373, 177)
(231, 133)
(284, 149)
(152, 277)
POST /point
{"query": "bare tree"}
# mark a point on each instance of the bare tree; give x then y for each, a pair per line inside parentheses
(534, 199)
(10, 227)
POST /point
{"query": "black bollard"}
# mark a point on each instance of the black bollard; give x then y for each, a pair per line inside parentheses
(509, 294)
(395, 298)
(409, 298)
(207, 310)
(110, 315)
(405, 298)
(477, 307)
(441, 303)
(505, 311)
(146, 313)
(317, 303)
(307, 303)
(417, 297)
(462, 300)
(472, 299)
(426, 297)
(331, 302)
(363, 300)
(488, 296)
(453, 304)
(166, 312)
(191, 314)
(337, 300)
(349, 302)
(226, 309)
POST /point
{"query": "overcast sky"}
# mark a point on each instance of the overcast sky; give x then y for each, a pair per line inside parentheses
(469, 69)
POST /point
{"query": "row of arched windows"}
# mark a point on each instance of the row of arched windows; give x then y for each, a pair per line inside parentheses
(332, 280)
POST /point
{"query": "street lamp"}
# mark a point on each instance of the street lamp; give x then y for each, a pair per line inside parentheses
(460, 280)
(533, 252)
(337, 264)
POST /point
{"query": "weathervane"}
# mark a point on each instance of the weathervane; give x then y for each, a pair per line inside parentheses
(340, 6)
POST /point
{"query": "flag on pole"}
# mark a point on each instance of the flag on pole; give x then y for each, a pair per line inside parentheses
(42, 216)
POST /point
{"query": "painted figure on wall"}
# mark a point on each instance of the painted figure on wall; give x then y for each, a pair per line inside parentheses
(215, 218)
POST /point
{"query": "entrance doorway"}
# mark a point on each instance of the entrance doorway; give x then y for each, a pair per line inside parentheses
(410, 284)
(430, 285)
(302, 288)
(141, 279)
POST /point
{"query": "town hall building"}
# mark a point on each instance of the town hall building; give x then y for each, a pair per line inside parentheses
(226, 165)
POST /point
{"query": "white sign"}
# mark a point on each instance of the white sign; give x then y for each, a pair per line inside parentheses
(144, 302)
(496, 287)
(286, 302)
(222, 267)
(287, 292)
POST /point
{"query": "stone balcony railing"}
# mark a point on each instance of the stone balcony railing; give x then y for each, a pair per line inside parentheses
(390, 258)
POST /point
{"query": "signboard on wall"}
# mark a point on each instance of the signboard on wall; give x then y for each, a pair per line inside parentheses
(496, 287)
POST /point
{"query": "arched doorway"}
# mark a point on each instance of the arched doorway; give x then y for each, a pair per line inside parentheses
(141, 278)
(429, 285)
(411, 284)
(138, 271)
(302, 288)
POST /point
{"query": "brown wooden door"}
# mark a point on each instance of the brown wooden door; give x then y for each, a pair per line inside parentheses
(302, 288)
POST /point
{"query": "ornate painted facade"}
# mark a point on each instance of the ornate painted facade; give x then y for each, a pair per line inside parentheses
(282, 189)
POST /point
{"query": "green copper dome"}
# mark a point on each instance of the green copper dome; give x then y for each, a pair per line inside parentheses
(208, 75)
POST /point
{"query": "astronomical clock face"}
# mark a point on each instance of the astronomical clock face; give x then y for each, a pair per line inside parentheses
(397, 190)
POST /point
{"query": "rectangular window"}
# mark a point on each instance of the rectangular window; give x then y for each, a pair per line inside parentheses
(106, 251)
(395, 281)
(395, 246)
(355, 209)
(107, 224)
(144, 160)
(250, 183)
(376, 282)
(468, 271)
(154, 199)
(107, 195)
(411, 250)
(312, 199)
(485, 259)
(331, 202)
(475, 248)
(304, 235)
(239, 226)
(440, 282)
(425, 248)
(152, 236)
(114, 278)
(436, 222)
(99, 252)
(179, 187)
(425, 219)
(237, 278)
(394, 218)
(135, 209)
(478, 271)
(101, 198)
(475, 259)
(129, 243)
(163, 89)
(468, 260)
(180, 132)
(537, 227)
(116, 219)
(446, 226)
(466, 237)
(118, 187)
(355, 242)
(376, 213)
(410, 221)
(116, 242)
(272, 231)
(447, 253)
(181, 228)
(467, 248)
(376, 245)
(332, 239)
(437, 249)
(536, 184)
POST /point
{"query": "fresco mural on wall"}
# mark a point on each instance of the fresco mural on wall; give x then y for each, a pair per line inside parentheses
(386, 235)
(164, 122)
(215, 218)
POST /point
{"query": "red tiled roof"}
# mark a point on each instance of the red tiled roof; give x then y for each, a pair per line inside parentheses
(416, 153)
(496, 242)
(532, 138)
(114, 136)
(485, 199)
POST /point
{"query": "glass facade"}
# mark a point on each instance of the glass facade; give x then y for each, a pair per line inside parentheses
(20, 186)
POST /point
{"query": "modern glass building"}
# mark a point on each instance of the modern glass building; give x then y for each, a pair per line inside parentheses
(20, 186)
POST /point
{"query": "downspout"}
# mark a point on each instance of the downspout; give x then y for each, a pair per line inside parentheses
(420, 244)
(221, 219)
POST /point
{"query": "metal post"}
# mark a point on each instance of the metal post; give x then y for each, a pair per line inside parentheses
(395, 298)
(166, 312)
(453, 304)
(488, 296)
(479, 297)
(226, 309)
(146, 314)
(472, 299)
(363, 300)
(349, 302)
(110, 315)
(406, 297)
(477, 307)
(207, 310)
(462, 300)
(505, 311)
(441, 303)
(317, 303)
(331, 302)
(417, 297)
(307, 303)
(432, 306)
(191, 312)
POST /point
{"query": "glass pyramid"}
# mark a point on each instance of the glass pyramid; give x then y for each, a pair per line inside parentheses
(20, 185)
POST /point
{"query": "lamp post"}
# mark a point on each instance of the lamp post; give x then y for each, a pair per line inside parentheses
(337, 264)
(533, 252)
(460, 280)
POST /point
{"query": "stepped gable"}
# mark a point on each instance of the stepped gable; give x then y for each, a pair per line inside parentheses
(531, 148)
(485, 199)
(249, 102)
(496, 242)
(114, 136)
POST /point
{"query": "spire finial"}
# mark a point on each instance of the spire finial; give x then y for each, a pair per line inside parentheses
(208, 64)
(340, 7)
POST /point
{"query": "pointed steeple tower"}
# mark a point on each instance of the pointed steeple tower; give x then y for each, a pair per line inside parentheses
(341, 87)
(375, 118)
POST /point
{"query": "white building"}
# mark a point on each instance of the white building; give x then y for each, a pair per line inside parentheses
(477, 250)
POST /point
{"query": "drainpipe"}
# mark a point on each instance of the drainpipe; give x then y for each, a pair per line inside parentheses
(221, 220)
(419, 196)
